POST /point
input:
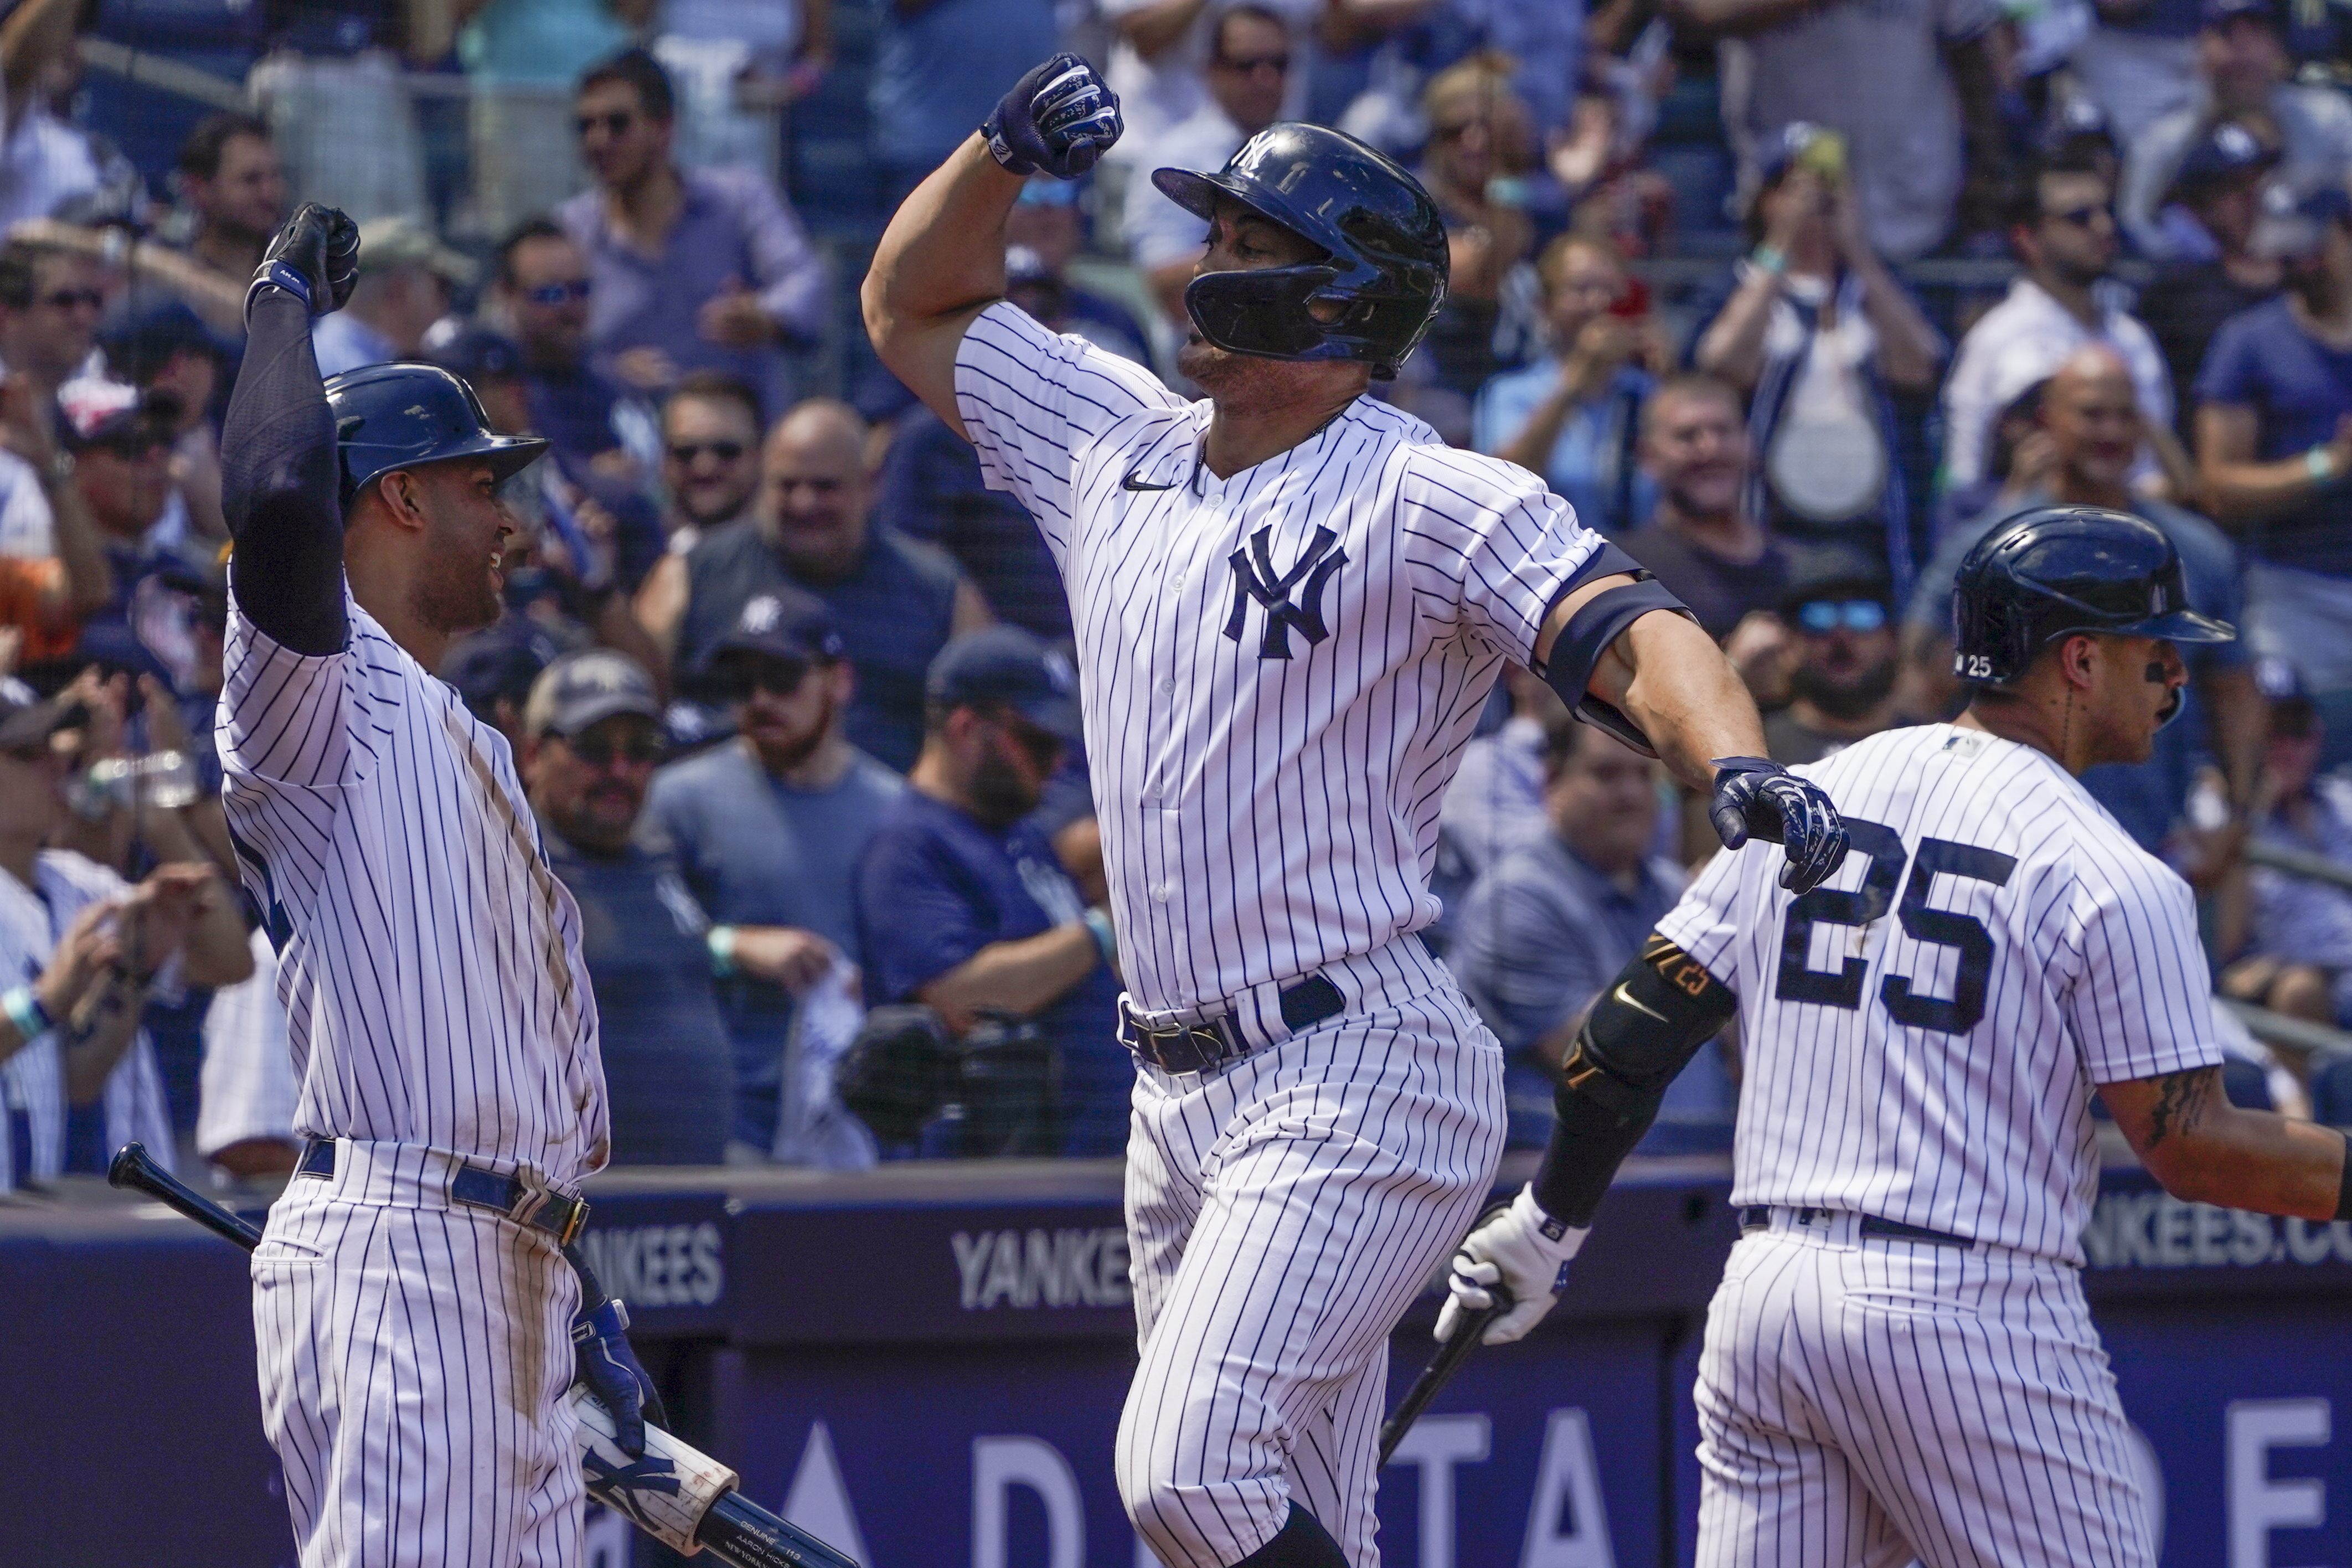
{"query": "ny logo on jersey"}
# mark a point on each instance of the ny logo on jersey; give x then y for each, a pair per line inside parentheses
(1255, 578)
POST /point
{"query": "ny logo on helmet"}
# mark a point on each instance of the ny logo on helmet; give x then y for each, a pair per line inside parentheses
(1255, 578)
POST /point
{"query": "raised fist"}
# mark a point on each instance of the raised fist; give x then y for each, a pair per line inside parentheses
(1059, 118)
(314, 256)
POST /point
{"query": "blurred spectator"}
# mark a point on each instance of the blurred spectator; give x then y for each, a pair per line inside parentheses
(1250, 58)
(2139, 63)
(2091, 424)
(1908, 84)
(1495, 801)
(81, 1099)
(1573, 414)
(896, 602)
(2287, 941)
(247, 1094)
(120, 441)
(2218, 189)
(167, 350)
(1839, 610)
(694, 270)
(2241, 57)
(1050, 218)
(521, 56)
(592, 735)
(49, 305)
(2020, 418)
(2065, 235)
(404, 286)
(940, 70)
(1702, 541)
(2275, 441)
(930, 490)
(710, 456)
(1159, 67)
(1553, 922)
(737, 63)
(44, 598)
(962, 904)
(766, 829)
(1819, 335)
(494, 670)
(44, 162)
(1481, 150)
(1038, 287)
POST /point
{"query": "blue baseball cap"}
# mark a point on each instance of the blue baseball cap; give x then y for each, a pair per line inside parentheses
(2280, 681)
(584, 690)
(500, 660)
(2223, 155)
(2294, 226)
(1006, 666)
(2221, 12)
(779, 623)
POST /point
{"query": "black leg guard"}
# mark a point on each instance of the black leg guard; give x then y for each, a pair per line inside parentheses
(1303, 1543)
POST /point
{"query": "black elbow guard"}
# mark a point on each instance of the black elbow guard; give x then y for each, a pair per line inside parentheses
(1593, 629)
(1645, 1029)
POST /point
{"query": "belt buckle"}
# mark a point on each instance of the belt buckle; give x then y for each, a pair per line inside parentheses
(575, 1220)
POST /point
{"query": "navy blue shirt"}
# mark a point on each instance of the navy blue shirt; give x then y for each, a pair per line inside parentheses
(670, 1073)
(2299, 387)
(932, 490)
(935, 887)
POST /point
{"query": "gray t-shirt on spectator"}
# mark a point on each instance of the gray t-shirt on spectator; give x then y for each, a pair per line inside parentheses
(1873, 69)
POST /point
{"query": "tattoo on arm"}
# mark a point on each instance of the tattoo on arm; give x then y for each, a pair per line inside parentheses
(2181, 1102)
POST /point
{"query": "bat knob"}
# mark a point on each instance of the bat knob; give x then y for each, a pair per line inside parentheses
(127, 1159)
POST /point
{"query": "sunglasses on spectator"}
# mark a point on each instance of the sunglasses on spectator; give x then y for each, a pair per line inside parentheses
(686, 452)
(70, 298)
(615, 122)
(598, 751)
(1050, 193)
(778, 675)
(1823, 616)
(1455, 131)
(2080, 216)
(1251, 65)
(552, 294)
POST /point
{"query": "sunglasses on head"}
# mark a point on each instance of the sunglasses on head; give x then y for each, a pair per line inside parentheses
(1823, 616)
(598, 751)
(615, 121)
(68, 299)
(552, 294)
(686, 452)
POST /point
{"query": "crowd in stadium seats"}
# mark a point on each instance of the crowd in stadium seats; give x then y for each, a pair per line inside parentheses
(1794, 299)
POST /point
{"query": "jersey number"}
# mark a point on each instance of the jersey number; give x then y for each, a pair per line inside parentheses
(1965, 934)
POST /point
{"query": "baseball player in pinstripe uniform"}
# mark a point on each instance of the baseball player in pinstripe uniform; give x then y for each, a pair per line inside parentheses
(410, 1298)
(1290, 602)
(1899, 1362)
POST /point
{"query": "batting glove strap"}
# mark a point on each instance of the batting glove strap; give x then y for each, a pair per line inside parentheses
(1757, 798)
(314, 256)
(602, 1360)
(1059, 118)
(1520, 1246)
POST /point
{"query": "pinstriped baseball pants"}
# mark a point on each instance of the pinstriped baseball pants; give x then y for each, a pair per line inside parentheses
(1863, 1402)
(1281, 1215)
(414, 1363)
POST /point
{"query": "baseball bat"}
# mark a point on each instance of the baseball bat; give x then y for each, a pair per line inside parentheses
(1441, 1370)
(682, 1497)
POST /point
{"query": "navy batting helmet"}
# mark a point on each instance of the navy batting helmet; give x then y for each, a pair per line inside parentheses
(398, 415)
(2058, 570)
(1384, 243)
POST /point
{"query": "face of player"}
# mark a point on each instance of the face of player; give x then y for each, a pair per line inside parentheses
(246, 197)
(1603, 802)
(2133, 686)
(619, 142)
(590, 786)
(1241, 240)
(2094, 421)
(710, 457)
(549, 298)
(125, 481)
(462, 546)
(1696, 447)
(51, 336)
(788, 707)
(815, 490)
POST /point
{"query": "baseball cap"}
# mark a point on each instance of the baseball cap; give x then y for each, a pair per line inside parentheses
(1835, 571)
(2280, 681)
(95, 410)
(782, 623)
(584, 689)
(25, 720)
(143, 345)
(2221, 12)
(2221, 156)
(387, 242)
(500, 660)
(2293, 225)
(2077, 119)
(1006, 666)
(476, 354)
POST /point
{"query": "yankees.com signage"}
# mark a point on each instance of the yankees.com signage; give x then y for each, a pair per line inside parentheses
(1543, 1455)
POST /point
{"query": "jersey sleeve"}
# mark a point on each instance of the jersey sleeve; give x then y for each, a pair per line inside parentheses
(1030, 399)
(2141, 1003)
(1487, 538)
(1707, 923)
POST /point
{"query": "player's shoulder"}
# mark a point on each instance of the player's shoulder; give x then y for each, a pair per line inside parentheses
(1946, 781)
(1449, 480)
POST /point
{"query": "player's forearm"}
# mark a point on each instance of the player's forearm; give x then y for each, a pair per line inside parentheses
(279, 484)
(1015, 977)
(2205, 1150)
(1668, 677)
(943, 255)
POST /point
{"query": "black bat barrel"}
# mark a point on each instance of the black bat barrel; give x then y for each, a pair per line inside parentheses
(738, 1531)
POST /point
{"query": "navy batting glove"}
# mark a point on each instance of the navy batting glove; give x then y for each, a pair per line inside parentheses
(1059, 118)
(314, 256)
(1758, 799)
(602, 1358)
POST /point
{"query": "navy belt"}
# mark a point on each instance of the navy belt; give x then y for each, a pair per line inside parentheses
(1213, 1042)
(1759, 1216)
(476, 1186)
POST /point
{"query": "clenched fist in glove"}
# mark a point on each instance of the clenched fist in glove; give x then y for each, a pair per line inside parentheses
(314, 256)
(1758, 799)
(602, 1360)
(1059, 118)
(1523, 1248)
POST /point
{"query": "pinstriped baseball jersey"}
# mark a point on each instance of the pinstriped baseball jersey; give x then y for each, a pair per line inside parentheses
(33, 1080)
(1922, 1033)
(430, 967)
(1281, 668)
